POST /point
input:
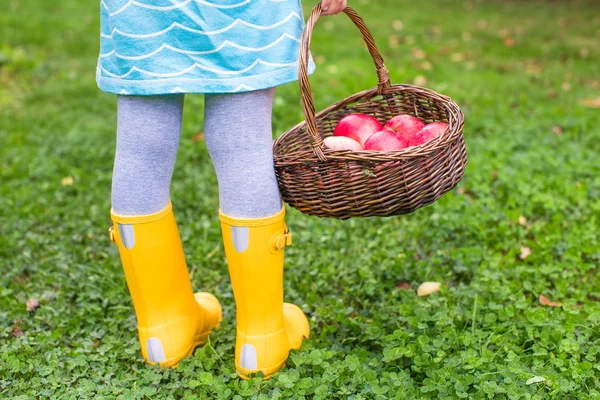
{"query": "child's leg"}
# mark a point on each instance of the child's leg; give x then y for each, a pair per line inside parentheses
(239, 138)
(238, 134)
(148, 130)
(172, 321)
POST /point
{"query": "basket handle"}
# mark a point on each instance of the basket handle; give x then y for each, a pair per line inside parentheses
(308, 105)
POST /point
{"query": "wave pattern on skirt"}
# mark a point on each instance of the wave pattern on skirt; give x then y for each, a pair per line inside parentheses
(150, 47)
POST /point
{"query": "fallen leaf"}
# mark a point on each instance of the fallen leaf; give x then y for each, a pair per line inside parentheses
(198, 137)
(417, 53)
(557, 130)
(525, 252)
(547, 302)
(522, 220)
(67, 181)
(551, 94)
(508, 41)
(397, 25)
(420, 80)
(16, 332)
(592, 103)
(535, 379)
(426, 288)
(466, 36)
(461, 190)
(426, 66)
(457, 57)
(436, 30)
(403, 285)
(32, 304)
(534, 69)
(566, 86)
(394, 41)
(320, 59)
(444, 51)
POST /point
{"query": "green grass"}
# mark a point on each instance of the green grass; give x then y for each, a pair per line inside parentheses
(483, 336)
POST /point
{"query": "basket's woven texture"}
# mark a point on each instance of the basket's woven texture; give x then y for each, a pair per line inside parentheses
(345, 184)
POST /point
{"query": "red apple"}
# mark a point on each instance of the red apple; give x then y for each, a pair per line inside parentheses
(385, 141)
(404, 125)
(342, 143)
(429, 132)
(358, 127)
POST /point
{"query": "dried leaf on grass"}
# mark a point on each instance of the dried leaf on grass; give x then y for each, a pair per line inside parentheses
(592, 103)
(16, 332)
(426, 288)
(32, 304)
(67, 181)
(404, 285)
(525, 252)
(420, 80)
(508, 41)
(547, 302)
(557, 130)
(426, 66)
(457, 57)
(198, 137)
(417, 53)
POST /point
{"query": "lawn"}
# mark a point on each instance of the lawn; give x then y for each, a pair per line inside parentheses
(524, 222)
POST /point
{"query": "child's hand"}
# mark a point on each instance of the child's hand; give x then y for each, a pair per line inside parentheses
(332, 7)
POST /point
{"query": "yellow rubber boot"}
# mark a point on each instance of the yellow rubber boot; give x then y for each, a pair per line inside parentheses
(267, 328)
(172, 320)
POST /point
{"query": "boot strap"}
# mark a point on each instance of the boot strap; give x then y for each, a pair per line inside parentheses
(281, 239)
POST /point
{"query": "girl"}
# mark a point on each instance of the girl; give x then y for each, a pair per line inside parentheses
(235, 52)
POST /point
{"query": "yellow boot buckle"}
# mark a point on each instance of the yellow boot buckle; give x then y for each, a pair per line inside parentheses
(111, 234)
(281, 240)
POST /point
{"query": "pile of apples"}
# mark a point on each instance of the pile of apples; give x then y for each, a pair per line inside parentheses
(363, 132)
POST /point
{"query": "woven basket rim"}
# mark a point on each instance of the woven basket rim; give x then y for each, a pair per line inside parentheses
(454, 131)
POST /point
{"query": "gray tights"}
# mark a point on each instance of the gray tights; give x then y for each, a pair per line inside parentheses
(238, 135)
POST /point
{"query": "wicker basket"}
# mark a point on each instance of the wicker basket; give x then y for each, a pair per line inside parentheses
(344, 184)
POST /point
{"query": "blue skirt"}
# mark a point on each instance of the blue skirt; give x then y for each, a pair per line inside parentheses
(152, 47)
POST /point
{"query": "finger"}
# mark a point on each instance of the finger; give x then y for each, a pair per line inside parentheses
(337, 7)
(325, 4)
